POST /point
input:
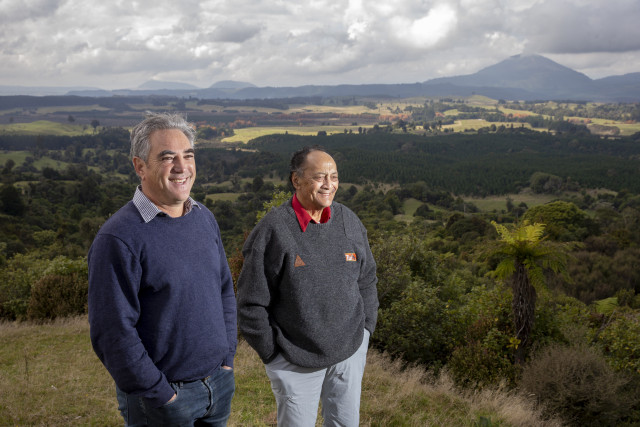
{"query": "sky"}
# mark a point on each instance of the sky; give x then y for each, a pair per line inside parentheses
(117, 44)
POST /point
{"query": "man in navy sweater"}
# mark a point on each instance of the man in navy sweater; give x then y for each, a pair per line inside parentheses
(162, 308)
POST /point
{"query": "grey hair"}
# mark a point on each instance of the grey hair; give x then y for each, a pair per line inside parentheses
(299, 157)
(141, 133)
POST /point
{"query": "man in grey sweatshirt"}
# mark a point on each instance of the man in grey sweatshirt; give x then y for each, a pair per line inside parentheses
(307, 297)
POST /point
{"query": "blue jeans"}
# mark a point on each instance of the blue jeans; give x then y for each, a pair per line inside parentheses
(204, 402)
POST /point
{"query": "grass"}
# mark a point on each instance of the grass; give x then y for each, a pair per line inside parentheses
(17, 156)
(50, 376)
(226, 197)
(498, 203)
(46, 127)
(72, 109)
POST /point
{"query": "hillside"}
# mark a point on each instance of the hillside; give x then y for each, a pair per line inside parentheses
(50, 376)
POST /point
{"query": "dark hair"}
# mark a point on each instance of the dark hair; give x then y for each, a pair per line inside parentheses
(299, 157)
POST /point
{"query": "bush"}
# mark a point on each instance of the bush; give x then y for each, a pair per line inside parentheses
(16, 278)
(57, 295)
(484, 358)
(620, 341)
(416, 326)
(577, 384)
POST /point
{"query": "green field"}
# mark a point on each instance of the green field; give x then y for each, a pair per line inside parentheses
(499, 203)
(71, 109)
(223, 197)
(45, 127)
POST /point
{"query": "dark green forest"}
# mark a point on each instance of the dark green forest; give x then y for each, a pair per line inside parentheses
(442, 303)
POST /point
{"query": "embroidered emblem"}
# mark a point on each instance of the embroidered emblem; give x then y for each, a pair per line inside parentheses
(299, 262)
(350, 257)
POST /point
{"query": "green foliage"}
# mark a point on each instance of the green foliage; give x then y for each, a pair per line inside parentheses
(484, 356)
(619, 340)
(565, 221)
(277, 198)
(577, 384)
(416, 326)
(57, 295)
(496, 163)
(541, 182)
(11, 202)
(525, 244)
(16, 279)
(23, 273)
(524, 255)
(418, 296)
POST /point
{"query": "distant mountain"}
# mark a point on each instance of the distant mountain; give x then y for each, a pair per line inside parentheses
(534, 77)
(520, 77)
(531, 73)
(41, 90)
(158, 84)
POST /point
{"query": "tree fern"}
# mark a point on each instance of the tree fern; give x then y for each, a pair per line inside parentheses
(524, 255)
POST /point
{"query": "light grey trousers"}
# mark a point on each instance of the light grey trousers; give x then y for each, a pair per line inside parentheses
(298, 390)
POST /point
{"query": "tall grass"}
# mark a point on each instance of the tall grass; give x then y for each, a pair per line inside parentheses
(50, 376)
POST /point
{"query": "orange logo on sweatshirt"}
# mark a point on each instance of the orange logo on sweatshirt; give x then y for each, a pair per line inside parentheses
(298, 262)
(350, 257)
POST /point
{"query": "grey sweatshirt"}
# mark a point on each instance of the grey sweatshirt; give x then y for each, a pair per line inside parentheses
(307, 295)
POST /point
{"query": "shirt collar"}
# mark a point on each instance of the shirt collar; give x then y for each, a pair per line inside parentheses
(304, 217)
(148, 210)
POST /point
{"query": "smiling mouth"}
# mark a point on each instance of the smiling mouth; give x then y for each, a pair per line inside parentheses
(178, 181)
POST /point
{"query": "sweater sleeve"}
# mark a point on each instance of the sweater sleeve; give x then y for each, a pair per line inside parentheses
(254, 296)
(114, 281)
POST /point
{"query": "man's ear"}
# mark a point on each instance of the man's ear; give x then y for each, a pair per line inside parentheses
(295, 180)
(138, 166)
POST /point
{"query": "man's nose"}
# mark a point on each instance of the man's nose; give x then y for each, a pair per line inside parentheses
(178, 163)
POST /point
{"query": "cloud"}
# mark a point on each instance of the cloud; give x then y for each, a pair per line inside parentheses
(284, 43)
(582, 27)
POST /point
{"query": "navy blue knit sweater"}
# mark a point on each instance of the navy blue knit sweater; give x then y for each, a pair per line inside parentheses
(161, 301)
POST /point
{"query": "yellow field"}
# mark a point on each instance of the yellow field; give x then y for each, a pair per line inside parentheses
(247, 134)
(508, 111)
(461, 125)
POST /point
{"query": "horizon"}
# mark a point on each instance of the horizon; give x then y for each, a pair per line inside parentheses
(251, 84)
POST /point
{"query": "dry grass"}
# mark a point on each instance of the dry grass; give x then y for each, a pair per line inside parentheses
(49, 376)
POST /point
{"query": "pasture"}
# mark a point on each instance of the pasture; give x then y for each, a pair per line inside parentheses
(49, 375)
(46, 127)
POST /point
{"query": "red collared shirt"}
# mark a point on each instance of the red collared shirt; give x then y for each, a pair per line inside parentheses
(304, 217)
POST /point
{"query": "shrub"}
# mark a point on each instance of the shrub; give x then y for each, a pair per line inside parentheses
(577, 383)
(15, 284)
(620, 341)
(478, 364)
(56, 295)
(417, 326)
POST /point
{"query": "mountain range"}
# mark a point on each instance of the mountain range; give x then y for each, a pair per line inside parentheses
(520, 77)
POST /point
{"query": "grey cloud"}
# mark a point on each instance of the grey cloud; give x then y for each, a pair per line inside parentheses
(234, 32)
(559, 27)
(12, 11)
